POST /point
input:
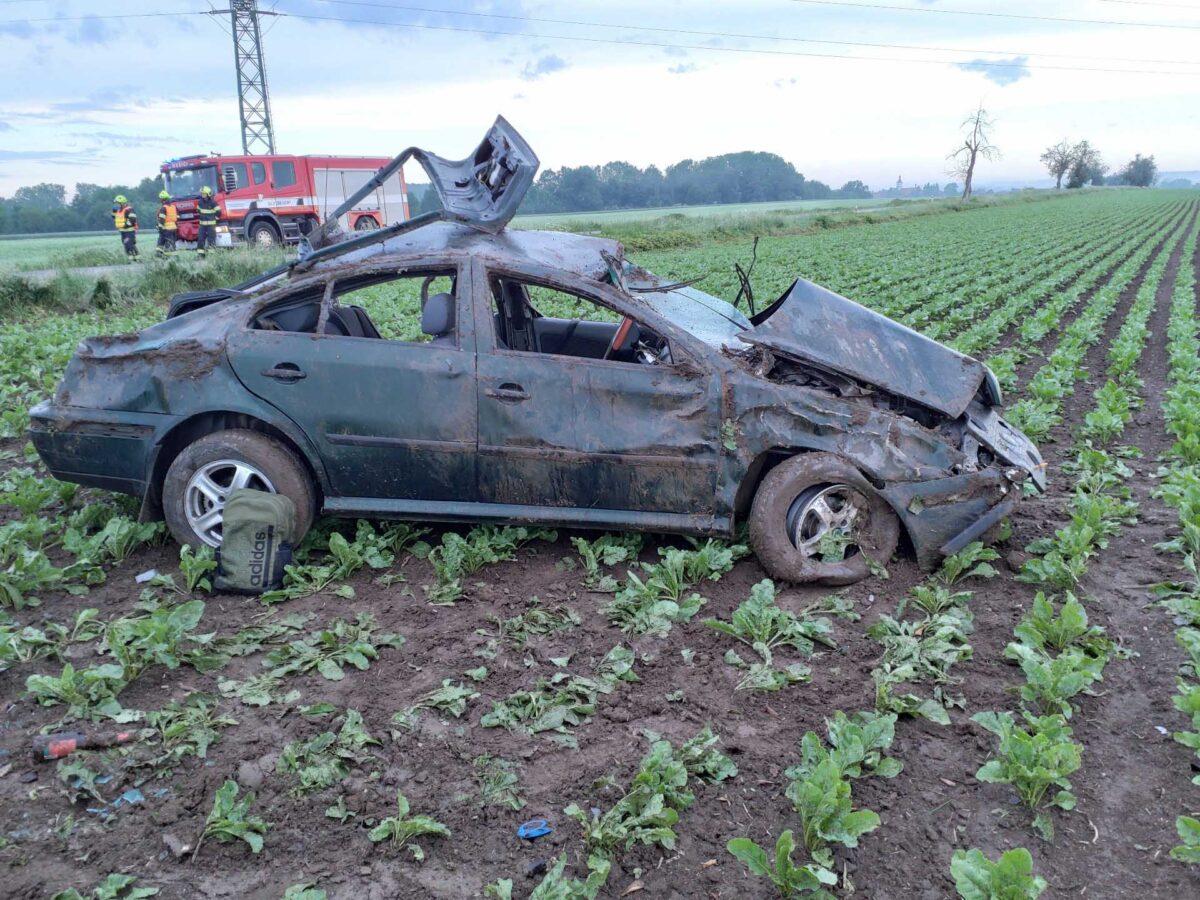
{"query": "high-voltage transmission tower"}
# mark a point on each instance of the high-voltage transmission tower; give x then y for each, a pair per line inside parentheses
(258, 137)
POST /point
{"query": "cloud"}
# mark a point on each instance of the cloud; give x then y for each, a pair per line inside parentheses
(93, 31)
(1000, 71)
(55, 156)
(16, 29)
(117, 139)
(544, 65)
(120, 98)
(5, 126)
(682, 68)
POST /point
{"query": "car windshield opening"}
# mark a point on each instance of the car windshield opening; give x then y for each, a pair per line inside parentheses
(188, 182)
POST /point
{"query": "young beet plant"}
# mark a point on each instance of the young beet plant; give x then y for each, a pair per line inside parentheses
(401, 828)
(113, 887)
(458, 557)
(606, 551)
(326, 758)
(790, 880)
(821, 797)
(663, 599)
(1033, 761)
(646, 813)
(765, 627)
(1010, 878)
(230, 820)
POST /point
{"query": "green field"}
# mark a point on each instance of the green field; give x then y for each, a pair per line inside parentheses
(71, 251)
(660, 702)
(710, 211)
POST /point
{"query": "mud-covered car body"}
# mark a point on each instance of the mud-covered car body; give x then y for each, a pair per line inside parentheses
(672, 432)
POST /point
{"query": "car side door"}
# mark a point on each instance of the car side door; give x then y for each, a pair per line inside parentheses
(392, 419)
(614, 442)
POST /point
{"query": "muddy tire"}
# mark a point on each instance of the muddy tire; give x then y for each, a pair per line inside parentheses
(814, 503)
(264, 236)
(201, 477)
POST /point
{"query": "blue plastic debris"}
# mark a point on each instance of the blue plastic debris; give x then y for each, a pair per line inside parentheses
(131, 796)
(534, 829)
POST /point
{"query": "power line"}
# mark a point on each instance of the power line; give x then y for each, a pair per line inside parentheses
(743, 50)
(763, 37)
(993, 15)
(1154, 3)
(149, 15)
(762, 51)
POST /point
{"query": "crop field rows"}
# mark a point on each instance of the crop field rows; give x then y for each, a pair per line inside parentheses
(1027, 714)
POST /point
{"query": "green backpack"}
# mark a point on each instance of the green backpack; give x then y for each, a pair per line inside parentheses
(256, 543)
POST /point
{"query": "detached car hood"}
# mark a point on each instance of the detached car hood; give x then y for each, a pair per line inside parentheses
(815, 326)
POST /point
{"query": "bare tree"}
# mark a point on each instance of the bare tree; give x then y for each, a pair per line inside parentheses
(1057, 160)
(977, 142)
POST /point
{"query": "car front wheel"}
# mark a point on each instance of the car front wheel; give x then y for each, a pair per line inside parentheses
(201, 478)
(815, 518)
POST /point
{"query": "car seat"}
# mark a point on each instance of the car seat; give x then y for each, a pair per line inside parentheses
(437, 319)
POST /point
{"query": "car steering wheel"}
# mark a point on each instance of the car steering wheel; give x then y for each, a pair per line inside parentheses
(619, 336)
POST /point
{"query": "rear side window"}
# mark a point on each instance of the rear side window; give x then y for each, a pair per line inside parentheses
(283, 173)
(260, 172)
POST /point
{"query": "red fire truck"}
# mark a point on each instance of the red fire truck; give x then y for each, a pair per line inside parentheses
(269, 200)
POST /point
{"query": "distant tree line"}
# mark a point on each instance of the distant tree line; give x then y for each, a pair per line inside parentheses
(746, 177)
(43, 208)
(1081, 164)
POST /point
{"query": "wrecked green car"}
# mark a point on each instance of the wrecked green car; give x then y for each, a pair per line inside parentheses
(645, 405)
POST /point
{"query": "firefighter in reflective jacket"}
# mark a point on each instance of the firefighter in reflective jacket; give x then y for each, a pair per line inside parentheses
(168, 225)
(207, 211)
(125, 221)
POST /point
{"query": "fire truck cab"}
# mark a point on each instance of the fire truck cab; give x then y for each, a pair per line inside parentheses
(271, 200)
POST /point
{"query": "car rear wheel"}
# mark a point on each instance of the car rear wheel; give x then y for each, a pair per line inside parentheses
(815, 518)
(201, 478)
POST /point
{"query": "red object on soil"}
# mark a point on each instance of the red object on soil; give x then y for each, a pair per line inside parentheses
(64, 743)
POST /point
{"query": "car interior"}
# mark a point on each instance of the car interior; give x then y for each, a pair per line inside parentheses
(598, 333)
(421, 308)
(380, 306)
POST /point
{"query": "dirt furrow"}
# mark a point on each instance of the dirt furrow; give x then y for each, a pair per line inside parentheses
(1026, 369)
(1130, 768)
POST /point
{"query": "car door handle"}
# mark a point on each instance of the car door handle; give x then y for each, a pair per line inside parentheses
(507, 393)
(285, 372)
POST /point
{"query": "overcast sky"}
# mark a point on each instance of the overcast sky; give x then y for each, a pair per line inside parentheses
(107, 99)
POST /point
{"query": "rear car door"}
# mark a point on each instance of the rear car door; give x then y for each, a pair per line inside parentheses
(392, 415)
(605, 437)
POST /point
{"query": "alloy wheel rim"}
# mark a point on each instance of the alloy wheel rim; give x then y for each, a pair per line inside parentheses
(828, 517)
(208, 490)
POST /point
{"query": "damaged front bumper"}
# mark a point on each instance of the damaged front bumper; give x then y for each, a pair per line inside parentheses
(943, 515)
(986, 430)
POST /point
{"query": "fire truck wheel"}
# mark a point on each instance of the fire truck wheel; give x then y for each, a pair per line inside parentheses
(366, 223)
(262, 234)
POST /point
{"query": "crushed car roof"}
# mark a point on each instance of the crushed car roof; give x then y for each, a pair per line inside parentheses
(577, 254)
